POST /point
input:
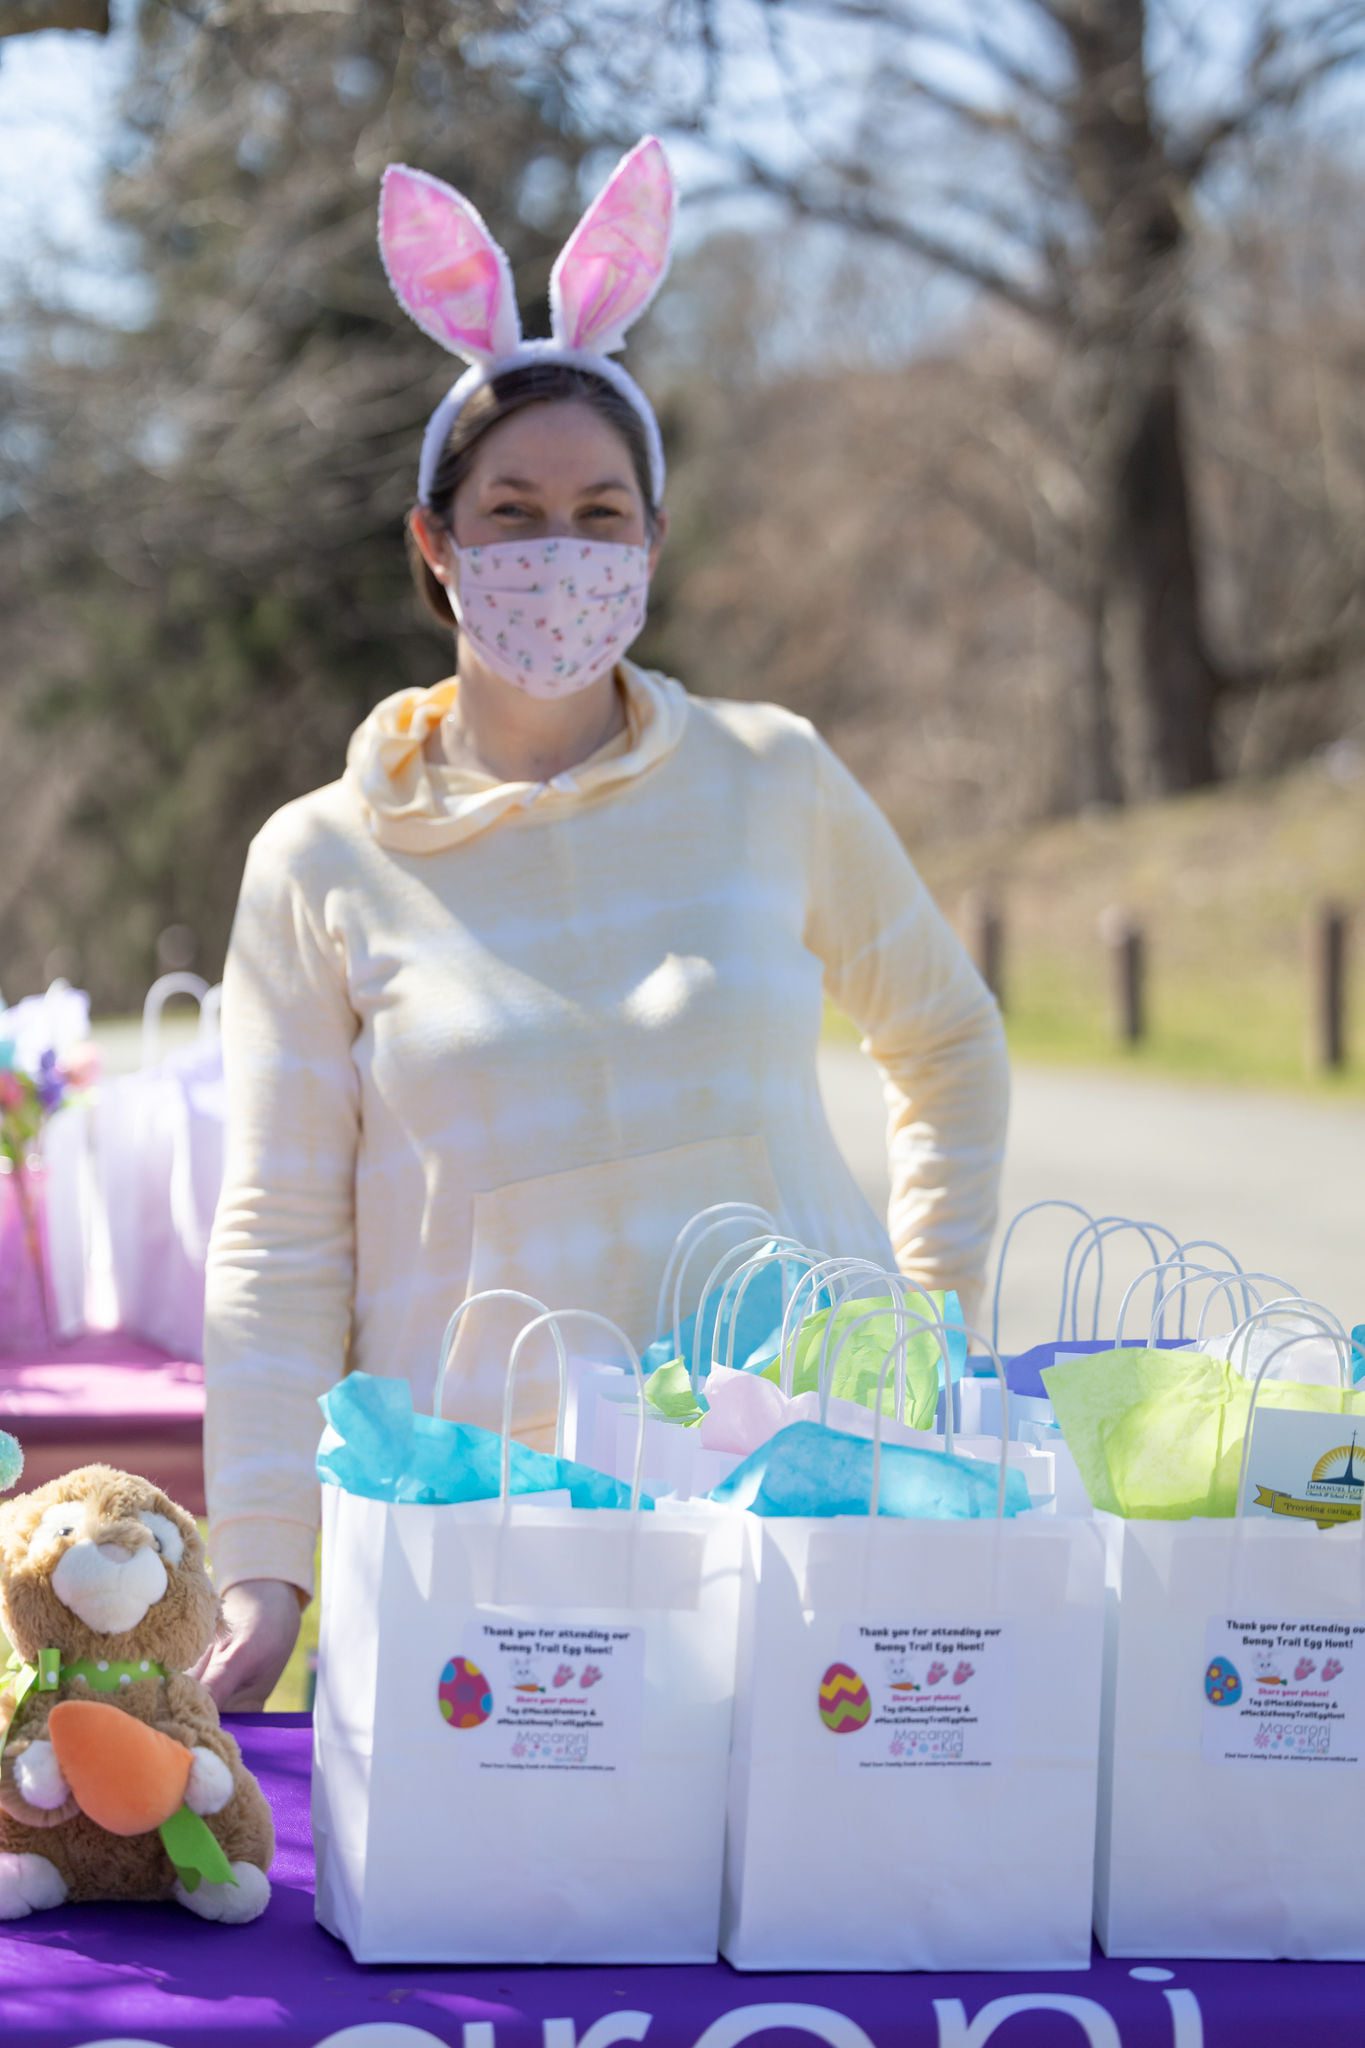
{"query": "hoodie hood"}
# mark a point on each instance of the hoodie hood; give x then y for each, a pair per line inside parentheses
(419, 806)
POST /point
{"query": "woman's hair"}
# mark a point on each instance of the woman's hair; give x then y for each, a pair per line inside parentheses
(495, 401)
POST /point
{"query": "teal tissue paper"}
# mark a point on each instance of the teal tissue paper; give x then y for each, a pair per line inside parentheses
(807, 1469)
(376, 1444)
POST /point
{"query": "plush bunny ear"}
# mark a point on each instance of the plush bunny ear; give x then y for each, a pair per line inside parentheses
(615, 259)
(445, 268)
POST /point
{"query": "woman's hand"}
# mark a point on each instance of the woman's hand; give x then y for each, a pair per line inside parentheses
(257, 1630)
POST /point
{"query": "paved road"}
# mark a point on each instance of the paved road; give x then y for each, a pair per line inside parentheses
(1278, 1179)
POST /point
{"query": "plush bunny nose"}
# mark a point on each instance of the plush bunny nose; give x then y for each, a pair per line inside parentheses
(115, 1553)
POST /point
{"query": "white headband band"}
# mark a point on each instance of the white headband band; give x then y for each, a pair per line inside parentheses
(455, 281)
(439, 425)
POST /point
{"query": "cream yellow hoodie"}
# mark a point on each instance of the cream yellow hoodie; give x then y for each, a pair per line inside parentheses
(486, 1034)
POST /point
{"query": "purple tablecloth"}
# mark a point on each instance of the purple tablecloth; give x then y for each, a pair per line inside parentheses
(109, 1398)
(155, 1973)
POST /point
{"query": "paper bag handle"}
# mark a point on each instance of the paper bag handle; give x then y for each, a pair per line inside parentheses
(737, 1252)
(900, 1290)
(742, 1278)
(527, 1301)
(1154, 1274)
(1325, 1324)
(551, 1319)
(1030, 1209)
(827, 1271)
(155, 1001)
(1218, 1283)
(973, 1337)
(1104, 1227)
(1290, 1294)
(211, 1014)
(696, 1227)
(1343, 1346)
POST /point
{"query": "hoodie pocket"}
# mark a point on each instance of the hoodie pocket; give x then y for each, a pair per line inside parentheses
(594, 1237)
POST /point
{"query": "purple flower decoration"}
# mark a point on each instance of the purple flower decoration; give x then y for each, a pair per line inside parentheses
(50, 1080)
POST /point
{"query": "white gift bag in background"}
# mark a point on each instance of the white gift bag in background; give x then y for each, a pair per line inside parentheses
(964, 1844)
(59, 1021)
(159, 1137)
(1232, 1808)
(508, 1832)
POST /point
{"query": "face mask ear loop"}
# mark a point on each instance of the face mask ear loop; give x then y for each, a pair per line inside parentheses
(450, 587)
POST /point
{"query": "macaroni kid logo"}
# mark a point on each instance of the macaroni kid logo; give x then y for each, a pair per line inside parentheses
(1332, 1493)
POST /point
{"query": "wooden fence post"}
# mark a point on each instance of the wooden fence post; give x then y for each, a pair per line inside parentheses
(986, 940)
(1127, 945)
(1327, 954)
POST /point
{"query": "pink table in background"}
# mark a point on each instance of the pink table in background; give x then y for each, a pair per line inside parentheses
(106, 1398)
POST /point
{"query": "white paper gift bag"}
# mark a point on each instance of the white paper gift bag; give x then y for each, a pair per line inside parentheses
(913, 1776)
(1232, 1812)
(522, 1726)
(159, 1137)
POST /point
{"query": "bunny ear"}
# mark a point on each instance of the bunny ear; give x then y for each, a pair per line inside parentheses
(615, 259)
(445, 268)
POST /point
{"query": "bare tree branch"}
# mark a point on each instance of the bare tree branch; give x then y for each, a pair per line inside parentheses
(1266, 92)
(865, 219)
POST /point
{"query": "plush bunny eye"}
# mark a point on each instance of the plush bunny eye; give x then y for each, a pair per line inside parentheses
(62, 1519)
(170, 1544)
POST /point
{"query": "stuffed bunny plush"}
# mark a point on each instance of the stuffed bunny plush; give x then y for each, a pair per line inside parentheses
(116, 1781)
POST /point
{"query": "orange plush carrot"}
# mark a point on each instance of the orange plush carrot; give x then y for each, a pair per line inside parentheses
(126, 1776)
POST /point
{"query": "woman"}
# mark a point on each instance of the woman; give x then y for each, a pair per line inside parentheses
(541, 976)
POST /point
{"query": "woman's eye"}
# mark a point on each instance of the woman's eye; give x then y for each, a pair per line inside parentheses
(516, 510)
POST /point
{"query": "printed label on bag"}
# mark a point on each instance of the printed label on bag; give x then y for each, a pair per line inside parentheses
(1284, 1692)
(911, 1696)
(1305, 1465)
(532, 1696)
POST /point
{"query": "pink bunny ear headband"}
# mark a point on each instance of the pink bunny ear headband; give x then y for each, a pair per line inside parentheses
(450, 275)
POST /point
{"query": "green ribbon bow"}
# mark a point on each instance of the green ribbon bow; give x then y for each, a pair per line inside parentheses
(194, 1850)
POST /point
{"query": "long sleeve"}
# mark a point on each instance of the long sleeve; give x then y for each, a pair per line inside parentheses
(895, 966)
(281, 1260)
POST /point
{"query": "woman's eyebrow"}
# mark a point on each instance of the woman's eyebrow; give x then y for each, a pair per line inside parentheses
(521, 483)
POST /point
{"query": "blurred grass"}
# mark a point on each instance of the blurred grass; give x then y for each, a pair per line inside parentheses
(1224, 883)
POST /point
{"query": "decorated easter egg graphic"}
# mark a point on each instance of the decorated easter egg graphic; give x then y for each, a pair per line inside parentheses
(845, 1703)
(1222, 1684)
(464, 1695)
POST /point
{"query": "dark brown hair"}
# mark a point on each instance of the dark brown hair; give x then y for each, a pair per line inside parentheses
(496, 401)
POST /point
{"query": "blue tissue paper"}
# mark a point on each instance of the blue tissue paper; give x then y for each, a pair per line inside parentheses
(807, 1469)
(376, 1444)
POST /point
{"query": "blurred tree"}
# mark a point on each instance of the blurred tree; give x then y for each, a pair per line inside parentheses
(1051, 154)
(202, 517)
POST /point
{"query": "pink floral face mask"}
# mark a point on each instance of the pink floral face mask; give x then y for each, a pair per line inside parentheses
(550, 616)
